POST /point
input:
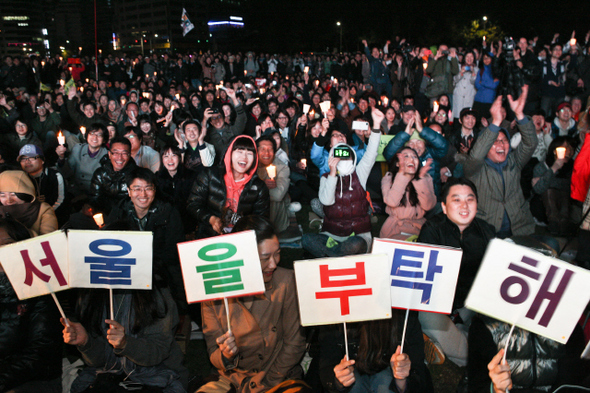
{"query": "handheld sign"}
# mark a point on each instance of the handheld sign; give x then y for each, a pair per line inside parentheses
(347, 289)
(522, 287)
(221, 267)
(383, 142)
(37, 266)
(110, 259)
(423, 277)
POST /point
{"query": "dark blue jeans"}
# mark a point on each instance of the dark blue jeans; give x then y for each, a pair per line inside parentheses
(316, 244)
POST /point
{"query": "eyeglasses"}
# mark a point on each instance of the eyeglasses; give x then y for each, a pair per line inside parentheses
(120, 153)
(147, 190)
(130, 136)
(29, 159)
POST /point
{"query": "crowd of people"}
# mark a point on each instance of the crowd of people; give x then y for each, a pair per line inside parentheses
(439, 141)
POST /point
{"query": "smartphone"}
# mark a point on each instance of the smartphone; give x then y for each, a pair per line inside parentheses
(360, 125)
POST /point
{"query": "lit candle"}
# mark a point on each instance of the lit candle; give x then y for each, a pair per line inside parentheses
(304, 162)
(98, 219)
(147, 76)
(83, 130)
(145, 95)
(425, 66)
(573, 42)
(312, 114)
(245, 72)
(435, 106)
(200, 88)
(560, 151)
(272, 171)
(262, 90)
(155, 74)
(87, 80)
(82, 89)
(62, 82)
(42, 64)
(177, 96)
(61, 139)
(306, 69)
(385, 100)
(123, 101)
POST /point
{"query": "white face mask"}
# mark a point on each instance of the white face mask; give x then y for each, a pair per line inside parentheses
(345, 167)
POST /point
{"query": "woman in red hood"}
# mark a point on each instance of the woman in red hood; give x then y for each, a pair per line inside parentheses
(225, 193)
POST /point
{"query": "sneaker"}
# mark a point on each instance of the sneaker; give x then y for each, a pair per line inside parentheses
(317, 207)
(433, 352)
(290, 235)
(294, 207)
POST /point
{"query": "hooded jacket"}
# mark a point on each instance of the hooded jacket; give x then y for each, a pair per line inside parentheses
(37, 216)
(344, 196)
(209, 194)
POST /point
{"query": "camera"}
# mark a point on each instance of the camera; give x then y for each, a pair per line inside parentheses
(214, 111)
(511, 77)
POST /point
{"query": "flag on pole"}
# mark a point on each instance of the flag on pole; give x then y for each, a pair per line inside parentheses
(185, 23)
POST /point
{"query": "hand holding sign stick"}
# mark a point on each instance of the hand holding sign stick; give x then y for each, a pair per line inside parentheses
(227, 314)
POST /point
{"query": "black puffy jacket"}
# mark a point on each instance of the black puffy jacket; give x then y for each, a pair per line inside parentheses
(208, 197)
(108, 186)
(30, 339)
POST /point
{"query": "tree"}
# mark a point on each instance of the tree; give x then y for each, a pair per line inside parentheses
(475, 33)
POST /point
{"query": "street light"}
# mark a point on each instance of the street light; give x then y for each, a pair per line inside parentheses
(485, 22)
(340, 25)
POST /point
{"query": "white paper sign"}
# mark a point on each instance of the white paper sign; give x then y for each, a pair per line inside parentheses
(37, 266)
(306, 108)
(523, 287)
(221, 266)
(423, 277)
(325, 106)
(347, 289)
(110, 259)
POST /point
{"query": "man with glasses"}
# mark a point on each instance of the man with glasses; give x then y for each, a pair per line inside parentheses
(84, 159)
(496, 170)
(144, 156)
(46, 123)
(108, 185)
(142, 212)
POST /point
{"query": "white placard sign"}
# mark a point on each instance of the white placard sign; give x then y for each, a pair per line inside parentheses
(110, 259)
(423, 277)
(523, 287)
(347, 289)
(221, 266)
(37, 266)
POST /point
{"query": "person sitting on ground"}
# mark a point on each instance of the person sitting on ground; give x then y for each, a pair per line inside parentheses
(224, 193)
(495, 170)
(18, 199)
(108, 186)
(457, 226)
(247, 358)
(278, 188)
(408, 194)
(30, 343)
(347, 225)
(428, 144)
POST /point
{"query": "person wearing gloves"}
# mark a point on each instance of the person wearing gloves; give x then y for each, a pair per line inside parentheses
(347, 225)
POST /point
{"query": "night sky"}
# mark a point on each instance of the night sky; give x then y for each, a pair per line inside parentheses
(310, 25)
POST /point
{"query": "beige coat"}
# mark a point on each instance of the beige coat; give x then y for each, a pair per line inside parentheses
(268, 335)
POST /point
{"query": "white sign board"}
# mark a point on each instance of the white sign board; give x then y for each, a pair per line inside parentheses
(347, 289)
(221, 266)
(523, 287)
(423, 277)
(37, 266)
(110, 259)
